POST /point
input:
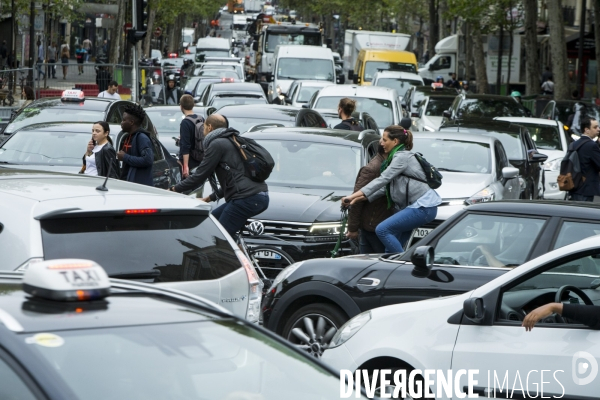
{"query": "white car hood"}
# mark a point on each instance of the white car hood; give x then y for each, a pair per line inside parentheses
(457, 185)
(432, 122)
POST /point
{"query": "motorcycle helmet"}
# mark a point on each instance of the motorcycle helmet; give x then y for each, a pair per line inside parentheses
(515, 93)
(439, 77)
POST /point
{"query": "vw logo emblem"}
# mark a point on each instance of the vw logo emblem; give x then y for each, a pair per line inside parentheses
(256, 228)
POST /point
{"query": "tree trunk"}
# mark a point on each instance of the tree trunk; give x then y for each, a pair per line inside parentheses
(500, 56)
(116, 36)
(443, 27)
(468, 52)
(479, 59)
(432, 28)
(597, 37)
(558, 47)
(510, 54)
(150, 34)
(532, 61)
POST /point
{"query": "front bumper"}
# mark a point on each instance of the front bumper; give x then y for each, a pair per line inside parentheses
(301, 250)
(551, 187)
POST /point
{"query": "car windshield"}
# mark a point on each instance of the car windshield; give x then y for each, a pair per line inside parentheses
(372, 67)
(313, 165)
(305, 68)
(546, 137)
(176, 247)
(202, 54)
(511, 142)
(306, 92)
(46, 148)
(38, 115)
(277, 39)
(455, 155)
(173, 62)
(219, 102)
(401, 85)
(437, 105)
(491, 108)
(204, 359)
(217, 73)
(380, 109)
(165, 120)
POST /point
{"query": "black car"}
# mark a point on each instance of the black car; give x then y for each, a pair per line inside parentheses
(167, 120)
(570, 113)
(520, 150)
(60, 147)
(467, 106)
(127, 340)
(414, 96)
(245, 117)
(476, 245)
(90, 109)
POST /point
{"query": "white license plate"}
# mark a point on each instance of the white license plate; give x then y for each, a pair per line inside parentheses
(267, 254)
(420, 233)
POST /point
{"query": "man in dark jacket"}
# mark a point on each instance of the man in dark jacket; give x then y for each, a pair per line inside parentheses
(345, 109)
(364, 217)
(187, 136)
(589, 158)
(245, 197)
(170, 94)
(137, 151)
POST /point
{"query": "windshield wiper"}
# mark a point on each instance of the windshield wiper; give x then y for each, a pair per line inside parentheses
(449, 170)
(287, 77)
(137, 275)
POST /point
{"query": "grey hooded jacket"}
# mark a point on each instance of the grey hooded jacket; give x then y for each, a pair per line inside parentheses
(403, 190)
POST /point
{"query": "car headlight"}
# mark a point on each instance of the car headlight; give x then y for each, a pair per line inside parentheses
(428, 128)
(278, 90)
(482, 196)
(553, 165)
(285, 273)
(325, 229)
(349, 329)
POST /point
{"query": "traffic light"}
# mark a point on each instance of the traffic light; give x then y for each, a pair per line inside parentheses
(140, 27)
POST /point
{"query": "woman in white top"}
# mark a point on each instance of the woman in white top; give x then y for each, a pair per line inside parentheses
(100, 158)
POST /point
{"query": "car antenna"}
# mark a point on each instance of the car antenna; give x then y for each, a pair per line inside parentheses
(103, 187)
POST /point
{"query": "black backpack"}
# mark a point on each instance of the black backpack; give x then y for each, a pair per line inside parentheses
(570, 177)
(258, 163)
(197, 153)
(353, 126)
(433, 177)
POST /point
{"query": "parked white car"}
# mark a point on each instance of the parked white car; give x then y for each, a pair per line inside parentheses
(429, 116)
(550, 139)
(300, 92)
(480, 331)
(401, 81)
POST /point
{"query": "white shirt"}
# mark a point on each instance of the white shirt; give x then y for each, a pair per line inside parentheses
(90, 161)
(107, 95)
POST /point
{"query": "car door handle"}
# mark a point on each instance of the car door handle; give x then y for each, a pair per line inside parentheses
(368, 282)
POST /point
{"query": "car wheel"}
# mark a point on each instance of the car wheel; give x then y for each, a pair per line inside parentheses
(312, 327)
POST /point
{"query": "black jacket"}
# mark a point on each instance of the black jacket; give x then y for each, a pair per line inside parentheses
(104, 158)
(224, 159)
(138, 160)
(173, 94)
(589, 158)
(350, 124)
(587, 315)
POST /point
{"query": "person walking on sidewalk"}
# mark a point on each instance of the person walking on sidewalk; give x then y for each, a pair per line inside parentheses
(589, 159)
(52, 60)
(3, 54)
(64, 59)
(40, 60)
(87, 46)
(189, 155)
(548, 87)
(244, 197)
(79, 55)
(136, 153)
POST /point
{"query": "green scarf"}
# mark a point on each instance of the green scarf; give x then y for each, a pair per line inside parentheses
(384, 165)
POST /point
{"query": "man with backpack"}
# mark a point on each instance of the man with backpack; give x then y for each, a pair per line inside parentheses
(241, 172)
(191, 136)
(345, 109)
(588, 185)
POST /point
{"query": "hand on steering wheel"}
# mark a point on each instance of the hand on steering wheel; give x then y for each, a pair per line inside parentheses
(476, 257)
(558, 298)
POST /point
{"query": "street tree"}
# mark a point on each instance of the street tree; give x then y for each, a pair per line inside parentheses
(558, 47)
(532, 63)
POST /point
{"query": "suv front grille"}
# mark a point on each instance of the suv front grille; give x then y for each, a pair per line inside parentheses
(285, 229)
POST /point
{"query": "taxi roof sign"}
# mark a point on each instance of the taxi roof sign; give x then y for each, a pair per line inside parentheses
(437, 85)
(72, 95)
(66, 280)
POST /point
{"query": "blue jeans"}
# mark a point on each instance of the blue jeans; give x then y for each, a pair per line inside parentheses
(369, 243)
(234, 214)
(395, 231)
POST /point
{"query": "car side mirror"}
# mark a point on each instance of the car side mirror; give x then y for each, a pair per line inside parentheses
(197, 99)
(269, 77)
(415, 114)
(510, 172)
(538, 157)
(403, 104)
(447, 114)
(305, 105)
(255, 46)
(474, 309)
(430, 67)
(288, 101)
(422, 259)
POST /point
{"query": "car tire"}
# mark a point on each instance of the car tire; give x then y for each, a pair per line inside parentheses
(312, 327)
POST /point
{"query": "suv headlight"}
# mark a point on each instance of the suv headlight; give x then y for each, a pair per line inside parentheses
(278, 89)
(553, 165)
(349, 329)
(482, 196)
(325, 229)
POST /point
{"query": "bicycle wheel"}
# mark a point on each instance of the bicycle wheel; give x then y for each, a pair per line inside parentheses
(270, 259)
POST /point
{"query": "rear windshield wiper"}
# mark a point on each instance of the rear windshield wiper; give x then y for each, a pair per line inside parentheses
(136, 275)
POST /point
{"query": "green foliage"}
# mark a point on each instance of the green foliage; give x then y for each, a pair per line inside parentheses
(167, 11)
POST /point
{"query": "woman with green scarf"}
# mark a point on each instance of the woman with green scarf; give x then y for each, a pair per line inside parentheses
(403, 183)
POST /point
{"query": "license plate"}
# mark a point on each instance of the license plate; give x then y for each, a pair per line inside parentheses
(420, 233)
(267, 254)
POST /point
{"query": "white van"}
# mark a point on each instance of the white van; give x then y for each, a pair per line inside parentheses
(299, 63)
(212, 47)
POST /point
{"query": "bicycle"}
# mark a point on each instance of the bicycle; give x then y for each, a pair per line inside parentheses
(273, 259)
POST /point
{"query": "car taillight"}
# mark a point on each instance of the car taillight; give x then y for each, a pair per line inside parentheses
(142, 211)
(256, 286)
(229, 80)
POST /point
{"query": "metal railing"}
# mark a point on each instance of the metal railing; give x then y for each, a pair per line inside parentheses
(12, 82)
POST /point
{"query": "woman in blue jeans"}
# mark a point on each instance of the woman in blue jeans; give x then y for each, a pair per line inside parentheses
(403, 183)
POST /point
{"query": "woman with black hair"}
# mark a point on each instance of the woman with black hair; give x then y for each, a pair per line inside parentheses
(136, 151)
(403, 183)
(100, 158)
